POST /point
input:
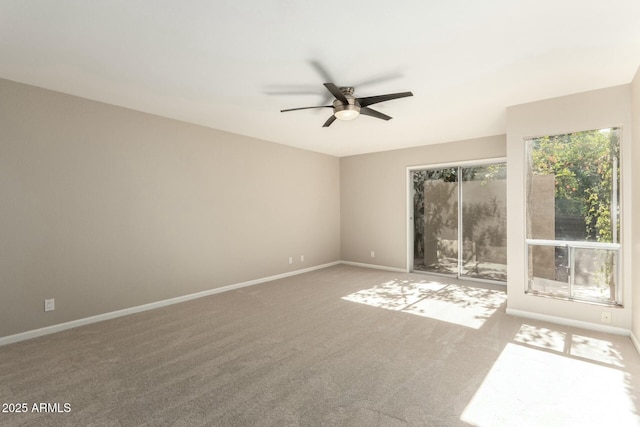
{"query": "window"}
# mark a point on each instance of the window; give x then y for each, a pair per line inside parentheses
(573, 225)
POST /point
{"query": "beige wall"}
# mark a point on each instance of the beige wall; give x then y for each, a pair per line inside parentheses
(105, 208)
(591, 110)
(374, 196)
(635, 154)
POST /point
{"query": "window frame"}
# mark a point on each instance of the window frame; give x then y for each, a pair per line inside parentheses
(616, 245)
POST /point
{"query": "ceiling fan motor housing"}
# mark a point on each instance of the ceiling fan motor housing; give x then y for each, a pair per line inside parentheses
(348, 111)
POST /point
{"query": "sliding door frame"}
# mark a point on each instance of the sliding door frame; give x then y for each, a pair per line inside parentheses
(409, 212)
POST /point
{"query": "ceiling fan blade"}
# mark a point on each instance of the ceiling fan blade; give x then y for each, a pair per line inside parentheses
(335, 91)
(305, 108)
(321, 70)
(370, 100)
(373, 113)
(329, 121)
(378, 79)
(326, 76)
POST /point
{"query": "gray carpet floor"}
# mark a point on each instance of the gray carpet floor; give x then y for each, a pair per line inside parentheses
(342, 346)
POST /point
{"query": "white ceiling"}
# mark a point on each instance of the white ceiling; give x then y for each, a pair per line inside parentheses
(233, 65)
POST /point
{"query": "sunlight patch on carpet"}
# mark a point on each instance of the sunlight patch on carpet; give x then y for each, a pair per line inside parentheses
(597, 350)
(463, 305)
(543, 338)
(589, 348)
(531, 387)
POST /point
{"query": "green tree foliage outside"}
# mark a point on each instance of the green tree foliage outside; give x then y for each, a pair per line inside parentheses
(583, 166)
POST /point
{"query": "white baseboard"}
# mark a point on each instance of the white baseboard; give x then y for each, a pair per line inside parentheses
(22, 336)
(635, 341)
(377, 267)
(570, 322)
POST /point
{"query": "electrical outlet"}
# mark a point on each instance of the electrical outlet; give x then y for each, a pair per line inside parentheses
(605, 317)
(301, 258)
(373, 254)
(290, 260)
(49, 304)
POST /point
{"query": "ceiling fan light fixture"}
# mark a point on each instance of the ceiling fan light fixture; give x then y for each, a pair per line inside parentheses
(346, 112)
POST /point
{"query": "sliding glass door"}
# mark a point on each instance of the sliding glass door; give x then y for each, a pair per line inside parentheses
(459, 221)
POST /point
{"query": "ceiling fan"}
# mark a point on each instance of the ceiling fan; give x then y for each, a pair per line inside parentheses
(348, 107)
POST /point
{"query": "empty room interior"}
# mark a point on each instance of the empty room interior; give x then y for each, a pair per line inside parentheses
(320, 213)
